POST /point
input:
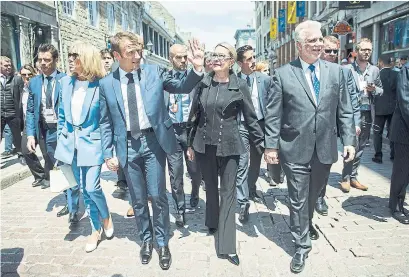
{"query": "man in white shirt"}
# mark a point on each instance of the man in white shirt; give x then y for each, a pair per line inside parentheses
(309, 98)
(135, 121)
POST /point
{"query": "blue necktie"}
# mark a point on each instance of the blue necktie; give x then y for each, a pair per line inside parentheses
(315, 82)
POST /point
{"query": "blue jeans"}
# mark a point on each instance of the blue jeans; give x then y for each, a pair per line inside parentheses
(88, 178)
(8, 136)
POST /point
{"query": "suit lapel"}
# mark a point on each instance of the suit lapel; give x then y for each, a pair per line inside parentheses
(67, 107)
(299, 73)
(92, 87)
(57, 89)
(142, 84)
(323, 79)
(118, 91)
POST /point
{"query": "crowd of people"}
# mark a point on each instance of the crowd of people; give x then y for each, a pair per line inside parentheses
(115, 109)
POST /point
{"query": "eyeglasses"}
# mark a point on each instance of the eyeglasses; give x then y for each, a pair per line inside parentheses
(218, 56)
(333, 51)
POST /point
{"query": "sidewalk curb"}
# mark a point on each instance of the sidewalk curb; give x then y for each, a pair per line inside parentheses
(15, 177)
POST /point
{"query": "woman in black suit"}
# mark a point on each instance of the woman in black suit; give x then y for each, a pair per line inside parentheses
(220, 99)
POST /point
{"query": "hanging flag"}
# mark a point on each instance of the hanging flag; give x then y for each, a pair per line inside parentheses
(281, 21)
(273, 28)
(300, 8)
(291, 17)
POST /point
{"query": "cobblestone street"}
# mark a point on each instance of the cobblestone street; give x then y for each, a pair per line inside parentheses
(357, 238)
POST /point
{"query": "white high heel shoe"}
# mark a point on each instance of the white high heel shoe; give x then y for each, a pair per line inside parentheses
(109, 233)
(93, 240)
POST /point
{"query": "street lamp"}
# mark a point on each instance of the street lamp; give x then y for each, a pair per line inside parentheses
(149, 47)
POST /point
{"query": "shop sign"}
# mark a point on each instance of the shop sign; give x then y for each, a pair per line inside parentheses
(353, 5)
(342, 28)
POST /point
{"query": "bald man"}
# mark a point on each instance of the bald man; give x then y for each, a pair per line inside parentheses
(178, 106)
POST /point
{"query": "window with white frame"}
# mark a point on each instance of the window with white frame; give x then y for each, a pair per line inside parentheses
(93, 13)
(111, 17)
(68, 7)
(124, 22)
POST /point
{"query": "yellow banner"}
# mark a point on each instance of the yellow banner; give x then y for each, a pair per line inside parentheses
(291, 12)
(273, 28)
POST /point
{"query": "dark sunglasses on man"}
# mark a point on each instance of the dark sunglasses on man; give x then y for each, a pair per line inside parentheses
(333, 51)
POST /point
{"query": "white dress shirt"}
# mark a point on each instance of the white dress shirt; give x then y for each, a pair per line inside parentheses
(3, 80)
(307, 73)
(77, 100)
(143, 118)
(24, 100)
(44, 89)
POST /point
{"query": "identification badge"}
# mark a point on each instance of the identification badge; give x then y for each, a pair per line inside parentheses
(174, 108)
(50, 116)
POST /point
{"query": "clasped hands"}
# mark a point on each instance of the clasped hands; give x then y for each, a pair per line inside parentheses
(112, 163)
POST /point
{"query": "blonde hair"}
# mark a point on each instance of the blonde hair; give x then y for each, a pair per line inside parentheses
(261, 66)
(233, 53)
(90, 60)
(5, 59)
(332, 39)
(119, 37)
(300, 30)
(358, 45)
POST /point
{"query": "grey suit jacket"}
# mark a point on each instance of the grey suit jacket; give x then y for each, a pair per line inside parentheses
(400, 120)
(354, 93)
(297, 126)
(385, 104)
(264, 88)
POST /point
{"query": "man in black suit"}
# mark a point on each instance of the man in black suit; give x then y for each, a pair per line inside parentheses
(400, 137)
(384, 104)
(260, 85)
(11, 113)
(309, 99)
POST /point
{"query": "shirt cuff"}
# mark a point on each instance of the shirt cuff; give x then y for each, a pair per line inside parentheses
(197, 72)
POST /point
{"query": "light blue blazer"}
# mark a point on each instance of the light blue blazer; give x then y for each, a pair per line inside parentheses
(89, 149)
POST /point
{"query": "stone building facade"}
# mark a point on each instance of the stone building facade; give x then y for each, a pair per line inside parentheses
(24, 26)
(96, 22)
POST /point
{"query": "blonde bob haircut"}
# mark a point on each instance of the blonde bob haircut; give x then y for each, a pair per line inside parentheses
(261, 66)
(90, 60)
(233, 53)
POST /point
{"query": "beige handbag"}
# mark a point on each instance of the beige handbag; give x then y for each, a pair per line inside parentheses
(62, 178)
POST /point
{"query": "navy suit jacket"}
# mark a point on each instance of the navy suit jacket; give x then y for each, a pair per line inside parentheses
(34, 102)
(153, 81)
(400, 119)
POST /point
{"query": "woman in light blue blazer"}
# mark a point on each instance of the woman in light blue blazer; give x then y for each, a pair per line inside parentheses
(79, 139)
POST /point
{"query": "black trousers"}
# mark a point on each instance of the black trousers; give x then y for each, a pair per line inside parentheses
(378, 127)
(175, 167)
(15, 127)
(221, 216)
(400, 176)
(305, 182)
(32, 160)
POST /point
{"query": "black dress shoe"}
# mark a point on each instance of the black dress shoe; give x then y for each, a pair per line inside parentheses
(146, 252)
(313, 233)
(401, 217)
(180, 220)
(122, 185)
(298, 262)
(321, 207)
(377, 160)
(233, 259)
(212, 231)
(64, 211)
(73, 218)
(256, 198)
(194, 200)
(244, 213)
(37, 183)
(165, 258)
(272, 183)
(45, 184)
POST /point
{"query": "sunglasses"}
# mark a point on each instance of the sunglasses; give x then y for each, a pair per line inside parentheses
(329, 51)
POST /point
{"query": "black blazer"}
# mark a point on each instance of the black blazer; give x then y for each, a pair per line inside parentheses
(385, 104)
(17, 87)
(235, 100)
(400, 119)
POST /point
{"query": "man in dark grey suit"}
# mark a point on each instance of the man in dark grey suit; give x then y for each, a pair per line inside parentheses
(400, 137)
(260, 86)
(367, 77)
(309, 100)
(330, 54)
(384, 104)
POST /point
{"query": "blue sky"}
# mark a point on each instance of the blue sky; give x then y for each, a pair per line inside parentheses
(211, 21)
